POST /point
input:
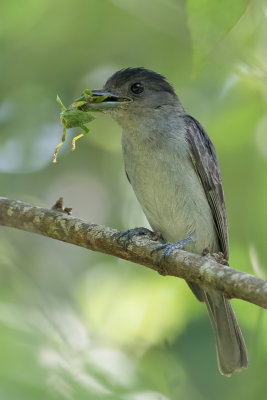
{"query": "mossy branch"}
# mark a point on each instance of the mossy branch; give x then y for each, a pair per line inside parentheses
(203, 270)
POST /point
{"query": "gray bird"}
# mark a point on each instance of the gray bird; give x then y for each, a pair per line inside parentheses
(172, 166)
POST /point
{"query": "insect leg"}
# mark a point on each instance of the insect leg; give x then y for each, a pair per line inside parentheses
(85, 131)
(60, 144)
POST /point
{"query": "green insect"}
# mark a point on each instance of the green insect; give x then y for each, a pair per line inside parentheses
(76, 116)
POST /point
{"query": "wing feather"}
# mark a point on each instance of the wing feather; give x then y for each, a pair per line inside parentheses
(204, 158)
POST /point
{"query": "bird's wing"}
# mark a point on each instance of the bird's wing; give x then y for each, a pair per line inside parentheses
(205, 162)
(127, 176)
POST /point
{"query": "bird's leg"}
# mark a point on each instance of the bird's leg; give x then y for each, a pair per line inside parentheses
(167, 248)
(127, 235)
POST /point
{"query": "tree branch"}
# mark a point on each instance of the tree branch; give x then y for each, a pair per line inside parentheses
(192, 267)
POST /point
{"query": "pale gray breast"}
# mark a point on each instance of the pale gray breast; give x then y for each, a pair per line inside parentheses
(168, 189)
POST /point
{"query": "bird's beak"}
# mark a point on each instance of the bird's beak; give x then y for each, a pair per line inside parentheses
(107, 100)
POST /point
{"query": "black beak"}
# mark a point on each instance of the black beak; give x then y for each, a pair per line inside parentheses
(108, 100)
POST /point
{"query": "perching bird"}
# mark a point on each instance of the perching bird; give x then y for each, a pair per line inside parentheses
(172, 166)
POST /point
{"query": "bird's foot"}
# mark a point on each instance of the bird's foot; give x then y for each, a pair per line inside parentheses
(167, 248)
(128, 235)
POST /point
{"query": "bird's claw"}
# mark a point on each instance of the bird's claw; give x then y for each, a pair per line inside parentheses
(169, 247)
(130, 233)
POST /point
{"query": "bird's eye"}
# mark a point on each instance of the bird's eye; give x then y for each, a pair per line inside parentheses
(137, 88)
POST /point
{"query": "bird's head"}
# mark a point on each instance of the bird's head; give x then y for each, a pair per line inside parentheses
(136, 92)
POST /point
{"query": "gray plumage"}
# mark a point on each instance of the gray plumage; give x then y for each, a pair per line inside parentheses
(172, 166)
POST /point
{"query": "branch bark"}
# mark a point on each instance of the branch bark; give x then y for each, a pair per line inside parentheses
(191, 267)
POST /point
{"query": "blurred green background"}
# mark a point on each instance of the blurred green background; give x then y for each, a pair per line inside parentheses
(80, 325)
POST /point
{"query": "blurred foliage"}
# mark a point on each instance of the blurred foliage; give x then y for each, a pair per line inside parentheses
(80, 325)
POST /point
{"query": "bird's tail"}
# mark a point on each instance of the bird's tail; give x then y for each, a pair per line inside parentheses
(231, 348)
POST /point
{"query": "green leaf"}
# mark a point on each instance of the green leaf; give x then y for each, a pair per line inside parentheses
(209, 21)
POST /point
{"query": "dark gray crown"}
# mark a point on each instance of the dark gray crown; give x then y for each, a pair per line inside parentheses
(139, 75)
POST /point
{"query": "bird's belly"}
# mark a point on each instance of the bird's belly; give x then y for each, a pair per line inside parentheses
(173, 199)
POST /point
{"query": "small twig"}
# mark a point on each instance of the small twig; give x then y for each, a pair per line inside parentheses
(58, 206)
